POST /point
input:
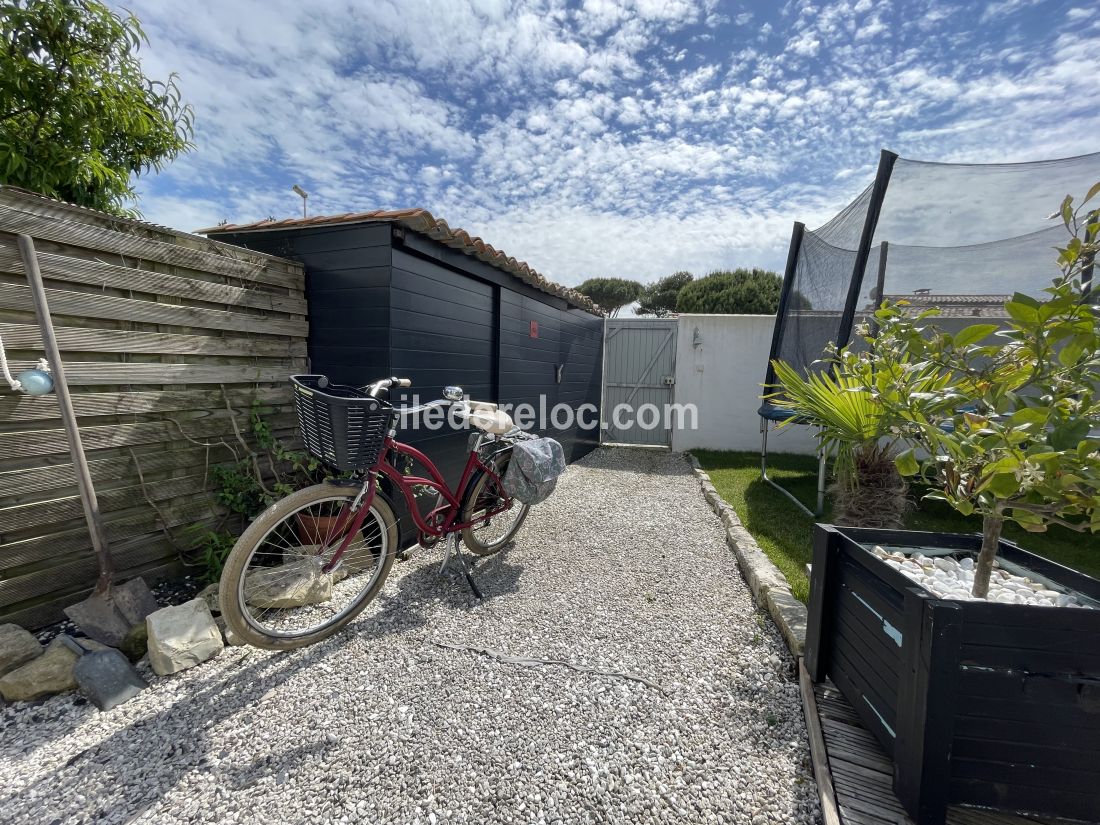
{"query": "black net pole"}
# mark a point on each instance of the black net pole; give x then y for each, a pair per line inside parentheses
(874, 207)
(880, 285)
(784, 300)
(1087, 271)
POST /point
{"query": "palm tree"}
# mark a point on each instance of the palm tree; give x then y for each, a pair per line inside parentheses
(867, 490)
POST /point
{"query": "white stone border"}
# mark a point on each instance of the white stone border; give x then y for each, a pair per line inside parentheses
(768, 585)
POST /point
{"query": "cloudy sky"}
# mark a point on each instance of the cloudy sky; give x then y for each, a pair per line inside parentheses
(603, 138)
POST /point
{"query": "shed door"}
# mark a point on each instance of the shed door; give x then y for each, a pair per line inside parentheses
(639, 378)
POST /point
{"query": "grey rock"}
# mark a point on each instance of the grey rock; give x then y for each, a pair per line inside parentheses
(50, 673)
(182, 636)
(209, 594)
(17, 647)
(293, 584)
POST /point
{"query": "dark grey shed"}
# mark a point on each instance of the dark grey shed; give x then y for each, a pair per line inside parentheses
(401, 293)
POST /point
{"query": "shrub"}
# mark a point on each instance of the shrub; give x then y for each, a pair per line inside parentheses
(742, 291)
(611, 294)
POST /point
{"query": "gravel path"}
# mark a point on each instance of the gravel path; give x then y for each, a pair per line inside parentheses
(623, 570)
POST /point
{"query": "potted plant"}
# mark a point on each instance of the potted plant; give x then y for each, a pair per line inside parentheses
(988, 701)
(1008, 419)
(857, 431)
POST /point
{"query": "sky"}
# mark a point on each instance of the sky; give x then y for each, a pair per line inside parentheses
(606, 139)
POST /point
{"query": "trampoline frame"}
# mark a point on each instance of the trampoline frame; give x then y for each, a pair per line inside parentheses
(874, 208)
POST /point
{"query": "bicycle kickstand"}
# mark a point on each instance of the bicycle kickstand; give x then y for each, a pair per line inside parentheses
(453, 550)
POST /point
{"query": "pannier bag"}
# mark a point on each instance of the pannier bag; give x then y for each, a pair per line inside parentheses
(533, 469)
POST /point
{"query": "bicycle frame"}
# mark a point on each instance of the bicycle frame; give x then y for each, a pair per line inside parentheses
(440, 521)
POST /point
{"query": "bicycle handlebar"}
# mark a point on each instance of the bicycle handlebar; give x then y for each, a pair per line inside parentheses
(386, 383)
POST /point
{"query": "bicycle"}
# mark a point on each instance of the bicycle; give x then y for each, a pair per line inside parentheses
(311, 562)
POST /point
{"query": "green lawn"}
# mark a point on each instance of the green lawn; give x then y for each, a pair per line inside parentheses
(783, 531)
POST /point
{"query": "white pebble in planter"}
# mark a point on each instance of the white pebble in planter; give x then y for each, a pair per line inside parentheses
(951, 578)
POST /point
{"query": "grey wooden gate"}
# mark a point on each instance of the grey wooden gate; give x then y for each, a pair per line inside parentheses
(639, 371)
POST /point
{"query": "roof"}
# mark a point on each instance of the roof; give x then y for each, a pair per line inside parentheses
(955, 306)
(423, 222)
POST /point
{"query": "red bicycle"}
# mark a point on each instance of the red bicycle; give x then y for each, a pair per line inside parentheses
(312, 561)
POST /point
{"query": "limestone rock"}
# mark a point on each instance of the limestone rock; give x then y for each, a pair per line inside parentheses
(182, 636)
(294, 584)
(50, 673)
(17, 647)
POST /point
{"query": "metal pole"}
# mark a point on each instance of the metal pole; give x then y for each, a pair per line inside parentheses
(68, 416)
(784, 300)
(874, 207)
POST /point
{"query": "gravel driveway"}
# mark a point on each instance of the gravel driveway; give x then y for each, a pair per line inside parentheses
(624, 570)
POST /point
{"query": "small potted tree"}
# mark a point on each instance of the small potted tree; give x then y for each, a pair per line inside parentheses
(979, 700)
(1011, 429)
(857, 432)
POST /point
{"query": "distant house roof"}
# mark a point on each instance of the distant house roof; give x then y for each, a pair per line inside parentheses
(956, 306)
(423, 222)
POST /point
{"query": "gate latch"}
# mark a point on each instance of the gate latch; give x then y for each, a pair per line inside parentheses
(669, 380)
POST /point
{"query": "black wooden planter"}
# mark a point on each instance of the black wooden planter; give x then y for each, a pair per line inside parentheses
(977, 703)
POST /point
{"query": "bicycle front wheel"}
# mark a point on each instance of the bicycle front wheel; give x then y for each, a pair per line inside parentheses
(275, 592)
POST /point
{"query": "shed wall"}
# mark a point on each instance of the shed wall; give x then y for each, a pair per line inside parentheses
(384, 302)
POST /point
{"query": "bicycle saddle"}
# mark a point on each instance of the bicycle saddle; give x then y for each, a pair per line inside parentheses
(485, 416)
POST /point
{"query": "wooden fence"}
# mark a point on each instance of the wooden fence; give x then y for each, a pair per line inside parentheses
(167, 339)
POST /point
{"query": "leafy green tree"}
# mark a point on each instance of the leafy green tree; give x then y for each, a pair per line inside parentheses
(659, 298)
(611, 294)
(78, 117)
(742, 291)
(1008, 420)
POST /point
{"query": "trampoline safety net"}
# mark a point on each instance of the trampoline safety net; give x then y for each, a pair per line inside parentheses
(958, 237)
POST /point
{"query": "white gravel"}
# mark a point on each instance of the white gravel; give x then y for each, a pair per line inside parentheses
(623, 570)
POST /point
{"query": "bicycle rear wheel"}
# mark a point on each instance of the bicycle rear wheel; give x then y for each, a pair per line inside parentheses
(274, 591)
(490, 536)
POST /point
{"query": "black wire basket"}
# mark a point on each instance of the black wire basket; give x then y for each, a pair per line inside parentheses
(341, 426)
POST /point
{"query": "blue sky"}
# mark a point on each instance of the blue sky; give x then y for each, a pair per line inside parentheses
(598, 138)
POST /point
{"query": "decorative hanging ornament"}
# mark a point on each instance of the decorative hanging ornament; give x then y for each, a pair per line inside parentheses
(35, 381)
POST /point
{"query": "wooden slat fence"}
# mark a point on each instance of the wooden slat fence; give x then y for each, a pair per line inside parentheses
(168, 339)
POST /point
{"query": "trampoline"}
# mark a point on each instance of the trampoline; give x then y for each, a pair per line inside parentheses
(958, 237)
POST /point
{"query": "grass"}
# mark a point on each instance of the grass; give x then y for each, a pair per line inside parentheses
(784, 532)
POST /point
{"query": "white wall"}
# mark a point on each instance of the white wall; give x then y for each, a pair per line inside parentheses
(722, 375)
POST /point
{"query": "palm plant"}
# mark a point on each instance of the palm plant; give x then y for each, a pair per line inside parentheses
(856, 432)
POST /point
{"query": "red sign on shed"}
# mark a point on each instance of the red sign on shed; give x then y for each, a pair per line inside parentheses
(534, 329)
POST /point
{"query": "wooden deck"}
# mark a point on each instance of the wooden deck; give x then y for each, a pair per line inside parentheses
(855, 775)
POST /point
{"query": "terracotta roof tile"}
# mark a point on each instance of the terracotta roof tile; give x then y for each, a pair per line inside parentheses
(423, 222)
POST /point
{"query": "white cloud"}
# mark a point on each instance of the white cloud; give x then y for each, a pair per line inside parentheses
(571, 136)
(805, 44)
(1005, 8)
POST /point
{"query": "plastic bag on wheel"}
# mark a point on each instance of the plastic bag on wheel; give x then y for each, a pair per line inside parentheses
(533, 469)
